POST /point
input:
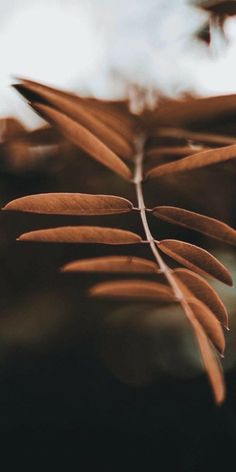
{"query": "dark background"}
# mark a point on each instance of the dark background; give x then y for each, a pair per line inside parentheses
(64, 363)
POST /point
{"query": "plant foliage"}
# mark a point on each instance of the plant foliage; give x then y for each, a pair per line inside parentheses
(139, 149)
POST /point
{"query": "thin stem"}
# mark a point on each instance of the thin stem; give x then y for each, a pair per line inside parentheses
(138, 179)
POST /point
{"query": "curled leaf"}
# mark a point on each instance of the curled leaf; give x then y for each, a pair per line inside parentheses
(203, 291)
(133, 290)
(112, 264)
(84, 139)
(82, 234)
(196, 161)
(196, 259)
(71, 204)
(204, 224)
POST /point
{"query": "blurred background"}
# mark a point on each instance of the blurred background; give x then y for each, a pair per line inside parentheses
(93, 383)
(99, 47)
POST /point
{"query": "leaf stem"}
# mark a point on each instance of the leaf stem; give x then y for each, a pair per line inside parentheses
(138, 182)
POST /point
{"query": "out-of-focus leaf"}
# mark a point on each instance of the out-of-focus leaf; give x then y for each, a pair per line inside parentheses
(112, 264)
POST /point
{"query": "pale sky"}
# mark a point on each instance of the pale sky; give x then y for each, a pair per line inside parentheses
(96, 46)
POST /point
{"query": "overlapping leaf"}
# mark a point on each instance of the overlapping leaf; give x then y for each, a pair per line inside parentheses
(203, 291)
(210, 361)
(196, 259)
(85, 140)
(196, 161)
(209, 323)
(204, 224)
(75, 109)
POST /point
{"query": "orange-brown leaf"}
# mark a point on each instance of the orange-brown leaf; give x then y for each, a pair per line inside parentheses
(203, 291)
(71, 204)
(134, 290)
(196, 161)
(10, 128)
(196, 259)
(160, 151)
(82, 234)
(76, 109)
(112, 264)
(196, 136)
(84, 139)
(210, 361)
(209, 323)
(204, 224)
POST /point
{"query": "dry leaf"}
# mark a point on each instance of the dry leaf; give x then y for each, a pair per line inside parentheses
(85, 140)
(82, 234)
(203, 291)
(204, 224)
(196, 259)
(112, 264)
(211, 362)
(75, 109)
(195, 136)
(209, 323)
(199, 160)
(71, 204)
(160, 151)
(134, 290)
(179, 113)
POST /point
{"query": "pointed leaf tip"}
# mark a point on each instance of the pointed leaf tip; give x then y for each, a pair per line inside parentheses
(82, 234)
(70, 204)
(196, 259)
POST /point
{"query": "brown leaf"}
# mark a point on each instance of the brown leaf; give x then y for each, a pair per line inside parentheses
(196, 136)
(204, 224)
(112, 264)
(211, 362)
(196, 259)
(78, 110)
(171, 151)
(196, 161)
(123, 123)
(219, 7)
(82, 234)
(71, 204)
(203, 291)
(84, 139)
(209, 323)
(191, 110)
(133, 289)
(10, 128)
